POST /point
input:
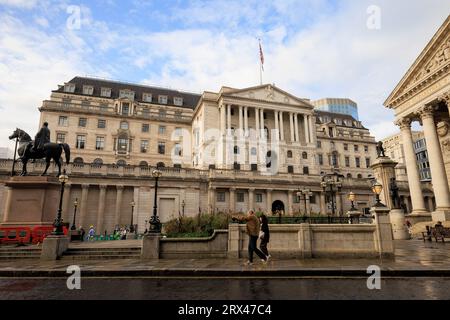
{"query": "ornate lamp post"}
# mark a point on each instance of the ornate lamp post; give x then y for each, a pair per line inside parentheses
(306, 193)
(331, 184)
(58, 230)
(75, 206)
(155, 224)
(352, 198)
(132, 204)
(377, 188)
(183, 204)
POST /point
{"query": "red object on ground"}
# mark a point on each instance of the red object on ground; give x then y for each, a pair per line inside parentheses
(26, 235)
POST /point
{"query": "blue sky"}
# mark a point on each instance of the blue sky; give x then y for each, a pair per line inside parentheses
(313, 48)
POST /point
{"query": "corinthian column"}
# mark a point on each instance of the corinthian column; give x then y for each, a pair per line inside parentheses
(281, 126)
(101, 209)
(297, 132)
(277, 128)
(84, 204)
(415, 189)
(222, 120)
(118, 205)
(438, 175)
(291, 123)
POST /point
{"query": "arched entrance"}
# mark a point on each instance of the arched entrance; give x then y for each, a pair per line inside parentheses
(277, 206)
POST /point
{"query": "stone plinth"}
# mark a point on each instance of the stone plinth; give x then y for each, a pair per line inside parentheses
(31, 201)
(441, 215)
(53, 247)
(150, 246)
(399, 230)
(384, 170)
(383, 240)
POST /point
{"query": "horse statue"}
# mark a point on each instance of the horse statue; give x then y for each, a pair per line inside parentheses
(380, 150)
(50, 151)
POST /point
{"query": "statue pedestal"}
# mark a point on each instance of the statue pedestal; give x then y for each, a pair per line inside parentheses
(384, 170)
(399, 230)
(31, 201)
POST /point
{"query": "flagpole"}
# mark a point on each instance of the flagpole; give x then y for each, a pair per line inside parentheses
(260, 73)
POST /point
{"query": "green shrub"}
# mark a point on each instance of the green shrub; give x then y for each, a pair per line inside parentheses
(202, 225)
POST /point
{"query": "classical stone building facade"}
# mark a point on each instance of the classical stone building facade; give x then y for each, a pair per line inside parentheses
(225, 151)
(423, 95)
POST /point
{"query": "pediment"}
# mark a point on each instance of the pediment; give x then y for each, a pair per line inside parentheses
(268, 93)
(433, 60)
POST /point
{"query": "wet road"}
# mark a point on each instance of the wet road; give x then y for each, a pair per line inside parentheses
(225, 289)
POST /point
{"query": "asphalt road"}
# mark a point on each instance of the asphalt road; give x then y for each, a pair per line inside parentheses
(225, 289)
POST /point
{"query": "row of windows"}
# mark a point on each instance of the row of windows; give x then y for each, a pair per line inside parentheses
(240, 197)
(355, 147)
(101, 124)
(129, 94)
(334, 161)
(121, 163)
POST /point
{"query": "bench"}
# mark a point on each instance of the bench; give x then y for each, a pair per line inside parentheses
(437, 233)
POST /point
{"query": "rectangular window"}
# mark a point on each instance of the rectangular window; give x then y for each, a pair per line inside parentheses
(367, 162)
(254, 167)
(290, 169)
(125, 108)
(161, 147)
(178, 115)
(101, 124)
(305, 170)
(162, 113)
(127, 94)
(358, 162)
(82, 122)
(147, 97)
(104, 107)
(178, 132)
(240, 197)
(162, 130)
(144, 146)
(177, 150)
(320, 159)
(100, 143)
(356, 148)
(312, 199)
(366, 148)
(178, 101)
(146, 113)
(345, 147)
(347, 162)
(220, 196)
(70, 88)
(60, 138)
(63, 121)
(106, 92)
(162, 99)
(88, 90)
(259, 198)
(145, 127)
(81, 142)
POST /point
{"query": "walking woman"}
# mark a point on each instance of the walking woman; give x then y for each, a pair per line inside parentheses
(264, 235)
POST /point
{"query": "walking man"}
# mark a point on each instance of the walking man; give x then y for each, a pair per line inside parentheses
(253, 228)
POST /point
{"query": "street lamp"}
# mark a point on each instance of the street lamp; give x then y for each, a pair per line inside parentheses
(352, 198)
(377, 188)
(75, 206)
(306, 193)
(58, 225)
(331, 184)
(183, 204)
(133, 204)
(155, 224)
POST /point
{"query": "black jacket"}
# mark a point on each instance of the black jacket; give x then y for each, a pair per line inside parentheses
(265, 229)
(42, 137)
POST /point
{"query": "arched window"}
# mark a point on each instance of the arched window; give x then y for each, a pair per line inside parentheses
(349, 176)
(305, 155)
(143, 164)
(160, 165)
(289, 154)
(121, 163)
(78, 161)
(124, 125)
(359, 176)
(98, 162)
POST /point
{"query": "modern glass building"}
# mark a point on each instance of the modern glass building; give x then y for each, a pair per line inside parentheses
(337, 105)
(420, 148)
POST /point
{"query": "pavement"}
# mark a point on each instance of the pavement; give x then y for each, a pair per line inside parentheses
(413, 258)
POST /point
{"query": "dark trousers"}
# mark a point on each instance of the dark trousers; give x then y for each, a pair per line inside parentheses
(263, 246)
(252, 247)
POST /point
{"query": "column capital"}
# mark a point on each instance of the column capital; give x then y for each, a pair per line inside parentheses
(426, 112)
(67, 186)
(102, 186)
(251, 190)
(233, 189)
(85, 186)
(269, 190)
(445, 98)
(404, 123)
(119, 187)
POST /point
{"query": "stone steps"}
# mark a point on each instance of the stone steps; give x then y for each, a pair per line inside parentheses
(16, 253)
(101, 253)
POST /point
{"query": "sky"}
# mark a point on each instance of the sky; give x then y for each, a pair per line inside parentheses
(313, 49)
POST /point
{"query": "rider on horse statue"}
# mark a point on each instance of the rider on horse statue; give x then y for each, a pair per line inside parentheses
(41, 138)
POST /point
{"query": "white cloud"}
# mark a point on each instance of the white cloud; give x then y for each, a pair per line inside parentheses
(25, 4)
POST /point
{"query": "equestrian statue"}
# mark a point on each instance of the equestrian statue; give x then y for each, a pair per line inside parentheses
(40, 148)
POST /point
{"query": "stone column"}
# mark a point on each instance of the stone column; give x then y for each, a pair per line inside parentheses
(308, 205)
(297, 132)
(305, 123)
(438, 174)
(118, 208)
(251, 199)
(228, 119)
(212, 199)
(261, 122)
(83, 204)
(281, 126)
(277, 127)
(339, 208)
(312, 129)
(291, 127)
(411, 166)
(101, 209)
(246, 120)
(269, 201)
(66, 203)
(323, 205)
(222, 120)
(257, 122)
(290, 210)
(241, 122)
(232, 205)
